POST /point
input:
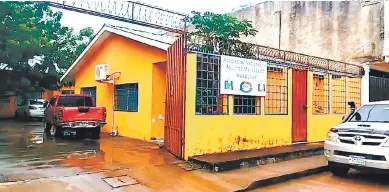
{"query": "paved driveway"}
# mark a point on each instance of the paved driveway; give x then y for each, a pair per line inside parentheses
(31, 160)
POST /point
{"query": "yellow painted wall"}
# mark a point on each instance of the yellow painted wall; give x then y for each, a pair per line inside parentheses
(222, 133)
(158, 103)
(205, 134)
(134, 60)
(58, 92)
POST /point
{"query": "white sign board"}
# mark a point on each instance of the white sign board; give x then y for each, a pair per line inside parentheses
(240, 76)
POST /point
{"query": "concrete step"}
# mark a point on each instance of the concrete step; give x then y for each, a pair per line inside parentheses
(249, 178)
(239, 159)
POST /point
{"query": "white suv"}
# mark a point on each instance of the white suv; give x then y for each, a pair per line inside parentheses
(360, 141)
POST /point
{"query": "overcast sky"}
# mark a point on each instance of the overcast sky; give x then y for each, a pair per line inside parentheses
(79, 21)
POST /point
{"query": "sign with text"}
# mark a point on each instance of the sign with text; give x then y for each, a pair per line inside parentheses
(240, 76)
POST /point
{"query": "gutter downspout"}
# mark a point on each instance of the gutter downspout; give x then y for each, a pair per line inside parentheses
(114, 132)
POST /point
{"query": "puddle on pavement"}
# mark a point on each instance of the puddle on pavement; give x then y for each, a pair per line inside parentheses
(31, 153)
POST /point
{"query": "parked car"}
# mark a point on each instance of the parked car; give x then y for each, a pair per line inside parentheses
(31, 108)
(360, 141)
(74, 114)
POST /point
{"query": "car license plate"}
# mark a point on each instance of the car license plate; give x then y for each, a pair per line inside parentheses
(83, 124)
(357, 160)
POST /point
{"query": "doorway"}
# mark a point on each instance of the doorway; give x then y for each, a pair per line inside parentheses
(299, 105)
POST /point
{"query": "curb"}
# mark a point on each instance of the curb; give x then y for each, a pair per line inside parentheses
(284, 178)
(263, 159)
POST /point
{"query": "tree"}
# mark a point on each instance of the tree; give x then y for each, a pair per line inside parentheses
(219, 33)
(35, 48)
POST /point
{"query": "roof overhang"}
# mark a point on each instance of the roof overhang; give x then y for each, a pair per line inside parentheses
(159, 42)
(380, 66)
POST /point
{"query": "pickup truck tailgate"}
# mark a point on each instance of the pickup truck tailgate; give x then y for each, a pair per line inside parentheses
(83, 114)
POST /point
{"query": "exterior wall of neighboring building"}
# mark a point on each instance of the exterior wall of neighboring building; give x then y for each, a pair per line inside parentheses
(339, 30)
(219, 133)
(135, 62)
(8, 104)
(7, 107)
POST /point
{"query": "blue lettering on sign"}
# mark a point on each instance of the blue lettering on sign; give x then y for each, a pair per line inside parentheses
(229, 85)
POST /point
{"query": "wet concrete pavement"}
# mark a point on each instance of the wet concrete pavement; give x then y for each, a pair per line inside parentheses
(355, 182)
(31, 159)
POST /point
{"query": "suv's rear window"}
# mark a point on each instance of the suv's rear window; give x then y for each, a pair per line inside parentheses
(75, 101)
(373, 113)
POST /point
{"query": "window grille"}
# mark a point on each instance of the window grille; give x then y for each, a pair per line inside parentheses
(208, 97)
(320, 96)
(338, 94)
(354, 91)
(250, 105)
(126, 97)
(89, 91)
(276, 100)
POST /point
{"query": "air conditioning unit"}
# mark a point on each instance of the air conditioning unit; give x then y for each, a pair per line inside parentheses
(101, 72)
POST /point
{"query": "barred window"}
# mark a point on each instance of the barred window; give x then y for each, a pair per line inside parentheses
(208, 97)
(320, 100)
(89, 91)
(338, 94)
(250, 105)
(276, 100)
(354, 91)
(126, 97)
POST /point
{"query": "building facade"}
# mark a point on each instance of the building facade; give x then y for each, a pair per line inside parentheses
(135, 95)
(300, 106)
(345, 31)
(164, 91)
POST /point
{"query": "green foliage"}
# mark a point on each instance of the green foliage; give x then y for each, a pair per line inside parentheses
(32, 32)
(220, 33)
(223, 26)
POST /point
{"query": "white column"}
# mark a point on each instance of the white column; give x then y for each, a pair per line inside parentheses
(365, 85)
(386, 31)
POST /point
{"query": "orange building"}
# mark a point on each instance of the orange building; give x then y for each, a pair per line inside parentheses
(154, 89)
(135, 94)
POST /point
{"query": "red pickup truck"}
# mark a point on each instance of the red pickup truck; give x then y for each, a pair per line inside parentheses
(74, 113)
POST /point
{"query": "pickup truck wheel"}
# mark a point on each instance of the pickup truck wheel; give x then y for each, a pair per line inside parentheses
(56, 131)
(338, 169)
(96, 133)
